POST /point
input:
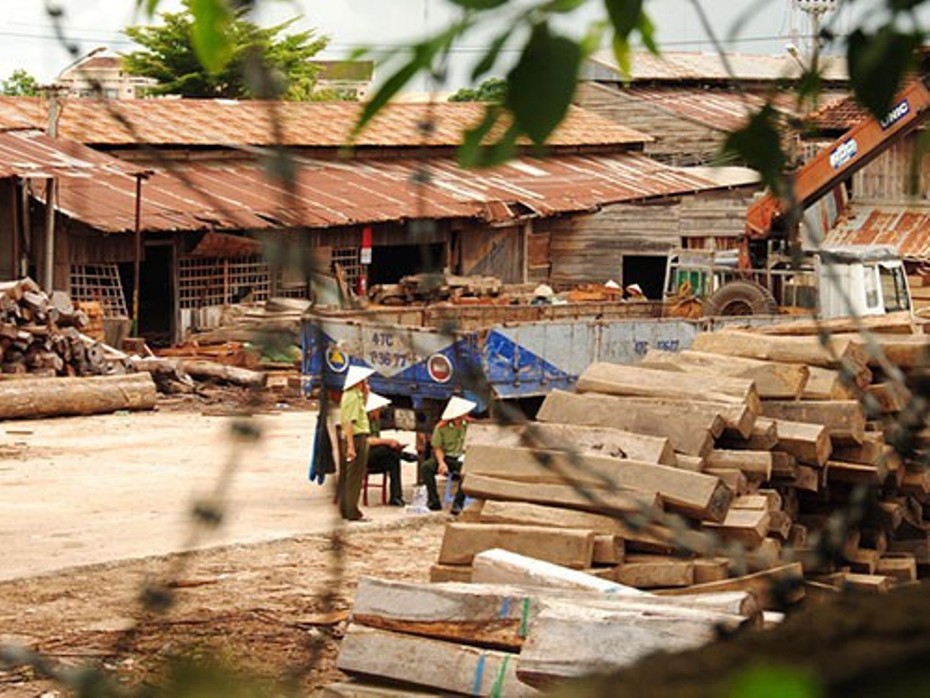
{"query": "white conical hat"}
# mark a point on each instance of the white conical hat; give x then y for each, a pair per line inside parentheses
(458, 407)
(376, 402)
(355, 375)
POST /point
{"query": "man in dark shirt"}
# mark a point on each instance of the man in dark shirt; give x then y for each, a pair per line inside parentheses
(385, 455)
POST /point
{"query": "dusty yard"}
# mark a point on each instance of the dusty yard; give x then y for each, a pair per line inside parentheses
(94, 510)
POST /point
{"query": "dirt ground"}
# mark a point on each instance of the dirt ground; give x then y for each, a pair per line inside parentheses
(95, 516)
(94, 510)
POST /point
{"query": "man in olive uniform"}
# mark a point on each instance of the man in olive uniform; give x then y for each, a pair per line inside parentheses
(385, 455)
(448, 444)
(354, 442)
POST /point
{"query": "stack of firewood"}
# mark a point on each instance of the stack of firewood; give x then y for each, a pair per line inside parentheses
(758, 461)
(43, 335)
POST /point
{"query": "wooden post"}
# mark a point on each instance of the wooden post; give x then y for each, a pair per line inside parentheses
(48, 266)
(137, 257)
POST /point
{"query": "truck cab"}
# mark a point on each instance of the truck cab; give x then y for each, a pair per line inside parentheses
(861, 280)
(828, 282)
(771, 274)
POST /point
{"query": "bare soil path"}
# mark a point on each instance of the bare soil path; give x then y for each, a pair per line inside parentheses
(94, 509)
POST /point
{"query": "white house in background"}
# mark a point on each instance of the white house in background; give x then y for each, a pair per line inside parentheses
(350, 80)
(95, 75)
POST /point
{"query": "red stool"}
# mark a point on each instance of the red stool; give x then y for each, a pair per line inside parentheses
(383, 485)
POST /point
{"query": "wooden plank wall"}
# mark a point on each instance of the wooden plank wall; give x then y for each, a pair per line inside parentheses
(677, 141)
(493, 252)
(591, 247)
(888, 179)
(79, 245)
(9, 227)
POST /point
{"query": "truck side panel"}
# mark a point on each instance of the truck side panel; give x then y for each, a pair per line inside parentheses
(517, 361)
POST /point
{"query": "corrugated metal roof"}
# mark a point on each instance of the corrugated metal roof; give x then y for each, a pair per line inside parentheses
(214, 122)
(239, 194)
(686, 65)
(905, 227)
(723, 110)
(34, 154)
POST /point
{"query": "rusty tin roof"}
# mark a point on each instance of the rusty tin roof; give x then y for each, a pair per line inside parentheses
(680, 66)
(33, 154)
(905, 227)
(218, 122)
(240, 194)
(722, 110)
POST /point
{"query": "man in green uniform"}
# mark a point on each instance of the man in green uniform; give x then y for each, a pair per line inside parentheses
(354, 442)
(385, 455)
(448, 444)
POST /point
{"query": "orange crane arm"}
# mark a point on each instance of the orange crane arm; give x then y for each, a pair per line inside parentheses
(845, 156)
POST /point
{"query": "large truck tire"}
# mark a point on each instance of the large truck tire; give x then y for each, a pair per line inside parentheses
(741, 298)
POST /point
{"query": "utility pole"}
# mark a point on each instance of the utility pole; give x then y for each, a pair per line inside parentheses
(48, 263)
(816, 10)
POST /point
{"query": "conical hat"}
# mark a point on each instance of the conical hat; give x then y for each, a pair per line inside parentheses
(458, 407)
(376, 402)
(355, 375)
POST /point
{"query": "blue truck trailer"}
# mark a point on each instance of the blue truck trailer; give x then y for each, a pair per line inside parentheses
(423, 356)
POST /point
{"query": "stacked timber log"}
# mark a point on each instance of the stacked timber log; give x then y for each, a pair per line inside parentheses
(43, 335)
(537, 626)
(435, 287)
(772, 464)
(275, 321)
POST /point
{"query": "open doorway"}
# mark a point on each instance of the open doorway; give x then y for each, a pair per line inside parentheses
(391, 262)
(646, 270)
(156, 295)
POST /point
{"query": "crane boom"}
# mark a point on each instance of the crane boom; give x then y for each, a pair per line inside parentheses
(844, 157)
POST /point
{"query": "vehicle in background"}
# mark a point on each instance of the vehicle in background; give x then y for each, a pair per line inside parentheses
(422, 355)
(774, 271)
(828, 283)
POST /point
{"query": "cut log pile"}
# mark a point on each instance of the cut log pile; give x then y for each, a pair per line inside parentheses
(435, 287)
(44, 335)
(757, 462)
(277, 320)
(529, 627)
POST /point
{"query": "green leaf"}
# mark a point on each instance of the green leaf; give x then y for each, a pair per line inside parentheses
(150, 6)
(759, 146)
(490, 58)
(210, 33)
(391, 87)
(622, 54)
(479, 4)
(774, 682)
(594, 37)
(422, 59)
(877, 65)
(904, 5)
(562, 6)
(647, 31)
(541, 84)
(809, 87)
(624, 15)
(472, 144)
(501, 151)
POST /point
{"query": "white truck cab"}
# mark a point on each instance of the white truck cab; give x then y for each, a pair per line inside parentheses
(829, 282)
(861, 280)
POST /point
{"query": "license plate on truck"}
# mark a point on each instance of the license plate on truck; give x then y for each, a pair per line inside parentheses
(405, 419)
